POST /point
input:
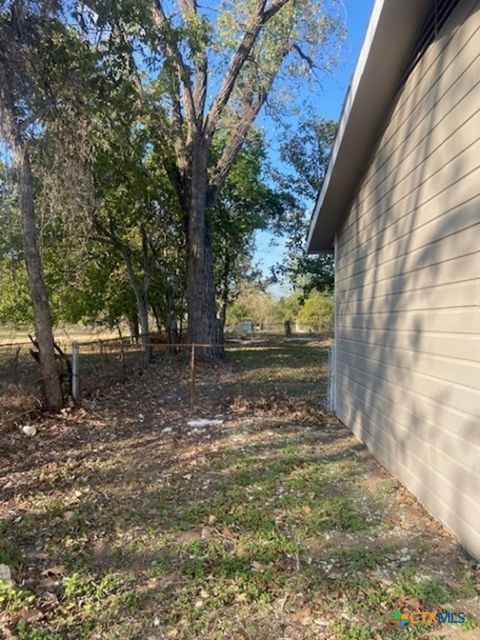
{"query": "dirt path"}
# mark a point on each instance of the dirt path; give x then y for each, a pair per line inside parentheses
(122, 521)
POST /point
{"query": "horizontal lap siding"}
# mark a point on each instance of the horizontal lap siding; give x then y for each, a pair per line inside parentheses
(408, 285)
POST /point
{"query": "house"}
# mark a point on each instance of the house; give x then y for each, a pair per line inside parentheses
(400, 206)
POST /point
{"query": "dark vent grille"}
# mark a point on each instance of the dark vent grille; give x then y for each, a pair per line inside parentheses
(438, 15)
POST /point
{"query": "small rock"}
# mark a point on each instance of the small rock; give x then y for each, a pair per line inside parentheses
(29, 430)
(6, 574)
(203, 422)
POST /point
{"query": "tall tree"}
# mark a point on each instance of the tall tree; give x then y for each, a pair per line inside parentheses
(27, 93)
(216, 72)
(264, 36)
(305, 153)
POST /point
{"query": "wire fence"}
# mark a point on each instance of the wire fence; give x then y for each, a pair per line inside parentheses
(280, 366)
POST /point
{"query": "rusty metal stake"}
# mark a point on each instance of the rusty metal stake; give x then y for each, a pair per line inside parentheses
(192, 379)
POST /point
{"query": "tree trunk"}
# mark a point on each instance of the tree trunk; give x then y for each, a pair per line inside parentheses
(288, 328)
(225, 295)
(142, 305)
(144, 327)
(203, 325)
(133, 325)
(156, 315)
(171, 326)
(38, 291)
(180, 330)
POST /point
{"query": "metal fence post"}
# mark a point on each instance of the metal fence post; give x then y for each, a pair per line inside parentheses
(75, 363)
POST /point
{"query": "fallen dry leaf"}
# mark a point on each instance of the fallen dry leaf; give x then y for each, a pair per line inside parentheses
(57, 570)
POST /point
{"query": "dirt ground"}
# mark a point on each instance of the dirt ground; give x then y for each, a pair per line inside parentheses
(121, 520)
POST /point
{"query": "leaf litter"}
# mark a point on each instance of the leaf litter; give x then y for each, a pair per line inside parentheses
(267, 519)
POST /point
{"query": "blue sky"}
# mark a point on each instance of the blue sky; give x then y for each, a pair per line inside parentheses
(269, 250)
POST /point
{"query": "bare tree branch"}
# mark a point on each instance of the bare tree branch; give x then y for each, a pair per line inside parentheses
(200, 87)
(252, 106)
(273, 10)
(232, 148)
(190, 8)
(304, 56)
(172, 52)
(259, 19)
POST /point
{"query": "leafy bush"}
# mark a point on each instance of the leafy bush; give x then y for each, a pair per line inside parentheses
(317, 309)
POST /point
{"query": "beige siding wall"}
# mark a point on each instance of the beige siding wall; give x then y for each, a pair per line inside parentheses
(408, 285)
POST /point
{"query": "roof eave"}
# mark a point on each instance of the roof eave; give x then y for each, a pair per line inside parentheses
(391, 35)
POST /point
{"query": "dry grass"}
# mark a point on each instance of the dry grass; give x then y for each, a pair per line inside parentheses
(64, 335)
